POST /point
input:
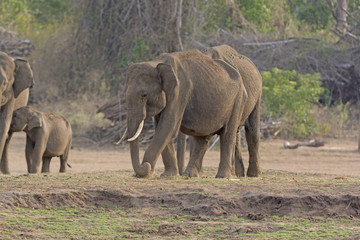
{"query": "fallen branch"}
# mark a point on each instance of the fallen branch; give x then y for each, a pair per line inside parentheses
(311, 143)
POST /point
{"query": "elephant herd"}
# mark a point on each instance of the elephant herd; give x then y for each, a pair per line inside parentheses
(198, 93)
(47, 134)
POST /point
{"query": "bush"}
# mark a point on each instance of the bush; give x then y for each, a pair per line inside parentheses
(288, 97)
(30, 18)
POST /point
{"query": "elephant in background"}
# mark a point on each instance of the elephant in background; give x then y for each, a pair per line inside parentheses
(191, 92)
(253, 85)
(16, 78)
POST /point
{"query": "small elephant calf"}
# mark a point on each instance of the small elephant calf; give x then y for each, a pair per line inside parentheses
(47, 135)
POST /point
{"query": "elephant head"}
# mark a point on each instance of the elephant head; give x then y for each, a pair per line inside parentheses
(150, 90)
(15, 76)
(25, 118)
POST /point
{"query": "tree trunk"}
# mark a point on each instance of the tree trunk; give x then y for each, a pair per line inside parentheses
(178, 24)
(339, 14)
(359, 141)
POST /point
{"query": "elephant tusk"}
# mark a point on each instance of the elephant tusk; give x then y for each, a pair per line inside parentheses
(123, 137)
(137, 132)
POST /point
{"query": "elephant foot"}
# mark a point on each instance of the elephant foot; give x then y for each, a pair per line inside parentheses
(170, 173)
(240, 173)
(191, 173)
(147, 176)
(224, 174)
(5, 172)
(253, 172)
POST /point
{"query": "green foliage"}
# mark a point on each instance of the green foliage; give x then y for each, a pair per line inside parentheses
(216, 14)
(316, 14)
(29, 17)
(265, 14)
(288, 96)
(260, 13)
(140, 48)
(340, 114)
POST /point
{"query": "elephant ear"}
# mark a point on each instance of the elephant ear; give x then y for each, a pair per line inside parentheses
(23, 76)
(169, 81)
(233, 73)
(35, 121)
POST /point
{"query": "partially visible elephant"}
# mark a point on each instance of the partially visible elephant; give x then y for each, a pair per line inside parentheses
(180, 151)
(191, 92)
(16, 78)
(253, 84)
(47, 135)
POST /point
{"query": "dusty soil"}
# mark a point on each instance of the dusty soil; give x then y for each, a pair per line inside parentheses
(302, 183)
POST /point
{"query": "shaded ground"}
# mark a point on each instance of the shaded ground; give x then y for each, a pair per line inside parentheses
(99, 199)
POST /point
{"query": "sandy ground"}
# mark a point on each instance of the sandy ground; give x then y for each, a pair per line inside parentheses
(306, 193)
(338, 156)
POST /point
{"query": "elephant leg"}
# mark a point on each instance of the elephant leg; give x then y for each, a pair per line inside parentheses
(46, 164)
(227, 143)
(226, 149)
(29, 150)
(198, 149)
(252, 133)
(39, 150)
(170, 161)
(4, 157)
(180, 151)
(64, 158)
(239, 165)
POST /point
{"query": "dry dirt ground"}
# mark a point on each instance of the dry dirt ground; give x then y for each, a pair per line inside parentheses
(306, 193)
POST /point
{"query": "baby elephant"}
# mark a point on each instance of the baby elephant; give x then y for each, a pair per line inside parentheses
(47, 135)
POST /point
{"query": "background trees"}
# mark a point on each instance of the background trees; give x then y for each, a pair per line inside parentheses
(82, 48)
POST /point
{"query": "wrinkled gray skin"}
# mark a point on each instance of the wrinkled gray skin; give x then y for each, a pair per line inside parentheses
(47, 135)
(16, 78)
(253, 85)
(176, 89)
(181, 151)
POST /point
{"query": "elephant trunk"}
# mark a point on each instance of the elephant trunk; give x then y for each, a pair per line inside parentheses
(134, 127)
(142, 170)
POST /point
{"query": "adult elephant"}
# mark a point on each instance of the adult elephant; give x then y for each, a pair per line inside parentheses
(253, 85)
(187, 91)
(16, 78)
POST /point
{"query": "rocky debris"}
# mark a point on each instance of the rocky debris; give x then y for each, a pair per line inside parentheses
(13, 46)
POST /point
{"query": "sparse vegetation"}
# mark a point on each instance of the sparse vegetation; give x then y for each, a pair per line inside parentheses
(80, 50)
(114, 205)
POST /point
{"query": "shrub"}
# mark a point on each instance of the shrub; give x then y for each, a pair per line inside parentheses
(288, 96)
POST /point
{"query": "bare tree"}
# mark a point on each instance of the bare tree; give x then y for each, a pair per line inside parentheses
(359, 140)
(178, 23)
(340, 14)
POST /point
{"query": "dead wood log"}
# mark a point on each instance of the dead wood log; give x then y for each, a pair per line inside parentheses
(359, 141)
(12, 45)
(311, 143)
(287, 145)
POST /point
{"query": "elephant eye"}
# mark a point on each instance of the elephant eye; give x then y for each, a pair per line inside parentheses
(144, 95)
